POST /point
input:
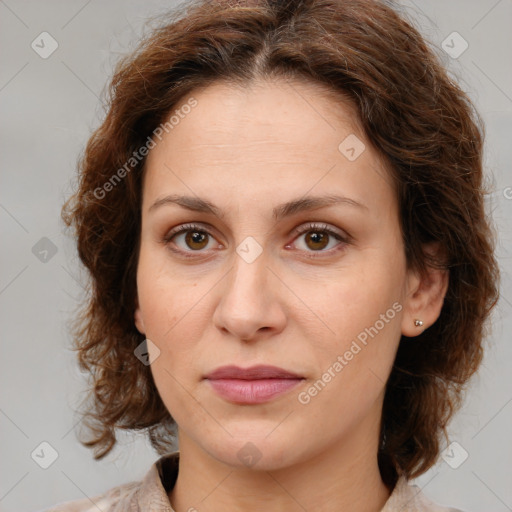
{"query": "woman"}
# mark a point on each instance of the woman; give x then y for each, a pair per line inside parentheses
(282, 216)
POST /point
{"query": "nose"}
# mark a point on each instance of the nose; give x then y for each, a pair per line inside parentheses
(250, 306)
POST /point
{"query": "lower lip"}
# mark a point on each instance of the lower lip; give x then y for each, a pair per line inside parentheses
(252, 391)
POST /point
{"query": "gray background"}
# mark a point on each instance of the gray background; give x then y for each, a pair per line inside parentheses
(48, 108)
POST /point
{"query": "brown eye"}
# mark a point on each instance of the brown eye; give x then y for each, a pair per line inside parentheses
(196, 240)
(190, 238)
(317, 240)
(320, 239)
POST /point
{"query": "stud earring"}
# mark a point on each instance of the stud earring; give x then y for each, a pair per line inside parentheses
(418, 323)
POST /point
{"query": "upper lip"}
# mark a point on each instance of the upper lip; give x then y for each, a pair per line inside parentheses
(252, 373)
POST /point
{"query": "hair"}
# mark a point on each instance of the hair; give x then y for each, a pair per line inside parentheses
(414, 114)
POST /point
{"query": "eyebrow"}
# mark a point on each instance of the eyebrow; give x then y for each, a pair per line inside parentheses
(306, 203)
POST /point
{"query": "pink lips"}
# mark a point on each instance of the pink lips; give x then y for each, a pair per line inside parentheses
(254, 385)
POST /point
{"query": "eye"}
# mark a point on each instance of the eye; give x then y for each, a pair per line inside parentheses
(190, 238)
(310, 238)
(318, 238)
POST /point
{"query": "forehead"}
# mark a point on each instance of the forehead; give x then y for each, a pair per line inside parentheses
(280, 131)
(290, 110)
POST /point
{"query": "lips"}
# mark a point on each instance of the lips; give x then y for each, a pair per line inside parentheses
(254, 385)
(252, 373)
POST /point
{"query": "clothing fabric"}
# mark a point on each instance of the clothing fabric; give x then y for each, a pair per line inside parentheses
(151, 494)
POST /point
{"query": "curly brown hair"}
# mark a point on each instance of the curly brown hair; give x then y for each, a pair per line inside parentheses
(417, 117)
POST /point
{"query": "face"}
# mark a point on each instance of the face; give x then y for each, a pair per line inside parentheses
(266, 243)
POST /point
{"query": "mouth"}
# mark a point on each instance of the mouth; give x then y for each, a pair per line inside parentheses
(254, 385)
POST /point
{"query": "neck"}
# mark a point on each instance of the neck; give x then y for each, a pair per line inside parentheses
(344, 477)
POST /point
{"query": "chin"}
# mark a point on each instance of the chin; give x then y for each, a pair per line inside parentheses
(257, 452)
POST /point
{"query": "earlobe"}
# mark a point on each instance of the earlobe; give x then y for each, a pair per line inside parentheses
(139, 322)
(425, 297)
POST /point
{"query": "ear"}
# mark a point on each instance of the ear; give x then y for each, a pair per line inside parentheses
(139, 322)
(425, 296)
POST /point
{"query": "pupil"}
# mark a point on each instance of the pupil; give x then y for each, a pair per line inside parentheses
(317, 239)
(195, 238)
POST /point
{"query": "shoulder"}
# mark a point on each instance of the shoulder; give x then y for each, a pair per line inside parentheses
(109, 501)
(411, 498)
(147, 494)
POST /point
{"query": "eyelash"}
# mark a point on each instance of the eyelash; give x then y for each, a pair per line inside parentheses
(315, 227)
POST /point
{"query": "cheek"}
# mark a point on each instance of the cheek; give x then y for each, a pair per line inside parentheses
(363, 311)
(157, 298)
(172, 314)
(174, 308)
(356, 300)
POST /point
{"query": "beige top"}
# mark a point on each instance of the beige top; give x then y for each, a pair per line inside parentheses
(150, 494)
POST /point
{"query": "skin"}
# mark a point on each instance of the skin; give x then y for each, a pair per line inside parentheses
(299, 305)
